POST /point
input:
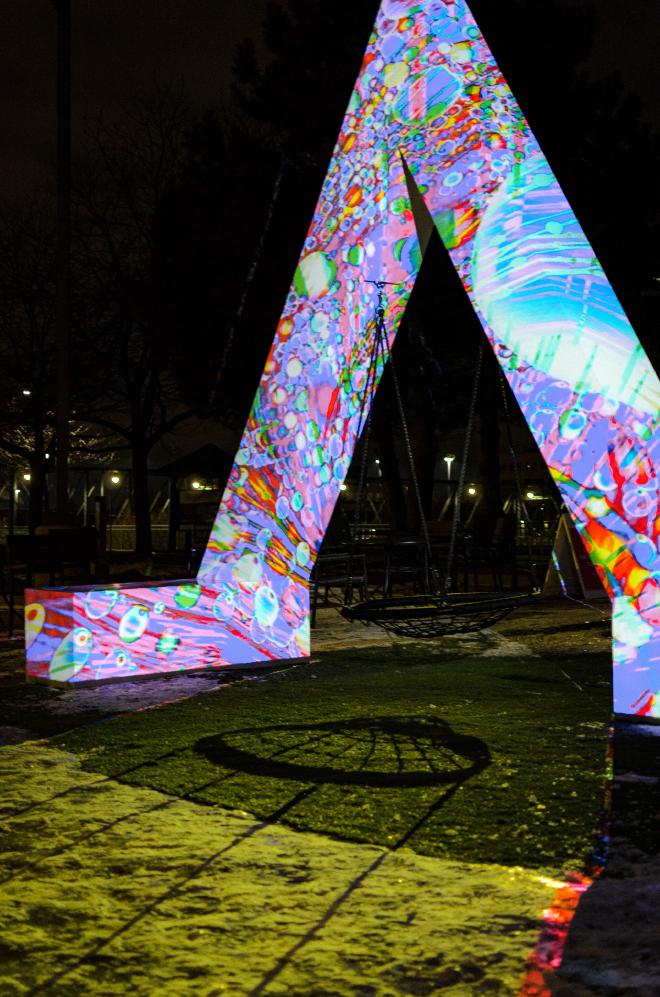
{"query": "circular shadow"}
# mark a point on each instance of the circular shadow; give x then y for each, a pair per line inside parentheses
(370, 751)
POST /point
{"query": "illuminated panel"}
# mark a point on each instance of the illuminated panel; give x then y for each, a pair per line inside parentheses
(429, 94)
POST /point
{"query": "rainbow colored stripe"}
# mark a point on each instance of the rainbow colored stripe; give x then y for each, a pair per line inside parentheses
(430, 96)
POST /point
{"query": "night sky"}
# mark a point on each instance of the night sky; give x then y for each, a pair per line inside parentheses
(124, 46)
(119, 47)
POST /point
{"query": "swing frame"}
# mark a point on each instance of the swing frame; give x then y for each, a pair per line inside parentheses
(432, 123)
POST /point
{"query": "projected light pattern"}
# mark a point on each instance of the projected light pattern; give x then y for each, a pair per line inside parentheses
(132, 630)
(428, 95)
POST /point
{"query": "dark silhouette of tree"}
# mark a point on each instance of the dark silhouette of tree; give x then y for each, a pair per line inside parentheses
(217, 266)
(300, 91)
(27, 313)
(230, 227)
(27, 357)
(122, 374)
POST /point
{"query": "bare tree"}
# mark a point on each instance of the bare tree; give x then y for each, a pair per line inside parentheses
(27, 356)
(27, 309)
(121, 365)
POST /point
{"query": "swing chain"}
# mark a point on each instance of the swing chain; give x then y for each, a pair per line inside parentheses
(364, 432)
(516, 475)
(366, 408)
(463, 469)
(247, 286)
(385, 352)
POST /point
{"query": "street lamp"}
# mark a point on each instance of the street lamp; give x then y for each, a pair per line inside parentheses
(449, 460)
(115, 479)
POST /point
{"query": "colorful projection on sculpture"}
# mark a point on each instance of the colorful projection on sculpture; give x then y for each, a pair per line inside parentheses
(430, 115)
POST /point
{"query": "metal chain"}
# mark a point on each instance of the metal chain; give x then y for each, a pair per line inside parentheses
(363, 433)
(518, 483)
(231, 335)
(364, 424)
(461, 475)
(381, 334)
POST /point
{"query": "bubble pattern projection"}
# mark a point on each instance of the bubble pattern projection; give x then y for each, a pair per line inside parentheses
(430, 108)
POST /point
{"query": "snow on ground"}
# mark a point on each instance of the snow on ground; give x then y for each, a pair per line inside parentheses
(112, 889)
(121, 697)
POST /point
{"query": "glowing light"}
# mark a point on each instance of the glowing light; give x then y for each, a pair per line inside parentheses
(472, 490)
(449, 460)
(115, 479)
(196, 485)
(556, 884)
(27, 476)
(26, 391)
(531, 495)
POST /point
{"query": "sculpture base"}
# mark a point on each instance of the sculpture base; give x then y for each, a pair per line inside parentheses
(94, 633)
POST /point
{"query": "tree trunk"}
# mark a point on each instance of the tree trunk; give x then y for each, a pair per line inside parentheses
(141, 505)
(37, 481)
(489, 457)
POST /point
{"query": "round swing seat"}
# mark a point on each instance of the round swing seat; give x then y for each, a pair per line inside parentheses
(423, 617)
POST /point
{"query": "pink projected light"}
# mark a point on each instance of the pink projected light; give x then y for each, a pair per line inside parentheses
(430, 118)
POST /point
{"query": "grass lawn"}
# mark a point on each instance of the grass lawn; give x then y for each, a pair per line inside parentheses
(480, 759)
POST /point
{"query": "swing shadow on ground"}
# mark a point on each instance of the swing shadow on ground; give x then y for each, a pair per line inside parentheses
(370, 752)
(419, 752)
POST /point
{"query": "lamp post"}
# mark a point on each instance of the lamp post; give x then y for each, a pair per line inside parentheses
(115, 480)
(449, 460)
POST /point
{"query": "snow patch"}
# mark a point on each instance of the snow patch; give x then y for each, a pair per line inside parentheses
(122, 697)
(160, 889)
